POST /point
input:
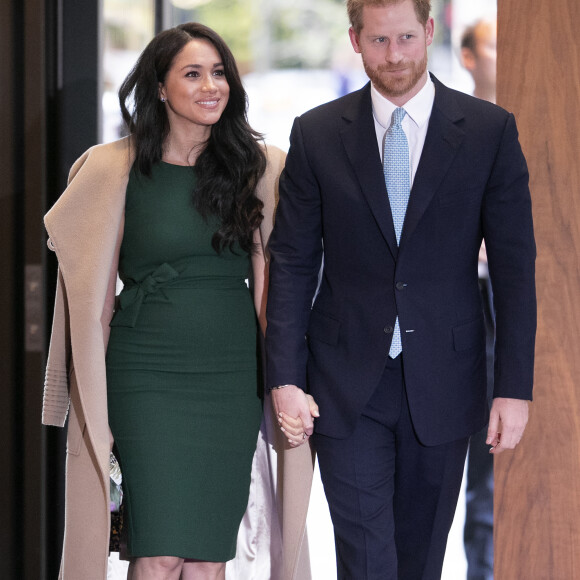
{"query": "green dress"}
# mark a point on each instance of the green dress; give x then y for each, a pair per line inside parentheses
(181, 375)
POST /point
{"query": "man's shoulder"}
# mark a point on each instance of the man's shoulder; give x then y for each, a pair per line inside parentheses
(338, 107)
(469, 105)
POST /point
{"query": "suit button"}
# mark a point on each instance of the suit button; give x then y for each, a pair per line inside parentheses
(388, 329)
(400, 285)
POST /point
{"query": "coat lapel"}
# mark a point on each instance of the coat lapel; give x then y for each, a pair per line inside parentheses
(84, 223)
(442, 142)
(360, 143)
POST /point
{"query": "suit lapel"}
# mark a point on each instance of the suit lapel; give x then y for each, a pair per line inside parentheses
(359, 140)
(442, 142)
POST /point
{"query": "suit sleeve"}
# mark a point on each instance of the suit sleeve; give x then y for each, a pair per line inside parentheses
(509, 238)
(296, 256)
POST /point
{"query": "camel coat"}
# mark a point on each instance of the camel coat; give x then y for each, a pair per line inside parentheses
(85, 230)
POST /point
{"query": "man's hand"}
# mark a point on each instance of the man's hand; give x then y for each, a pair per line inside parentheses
(294, 410)
(507, 421)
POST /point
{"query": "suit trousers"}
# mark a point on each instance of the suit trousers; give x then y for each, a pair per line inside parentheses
(391, 499)
(478, 530)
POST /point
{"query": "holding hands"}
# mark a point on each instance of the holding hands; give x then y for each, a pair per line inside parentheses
(295, 411)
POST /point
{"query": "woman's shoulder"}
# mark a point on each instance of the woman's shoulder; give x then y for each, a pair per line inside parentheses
(100, 172)
(275, 157)
(105, 156)
(267, 190)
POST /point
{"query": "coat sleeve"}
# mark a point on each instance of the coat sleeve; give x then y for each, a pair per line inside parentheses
(56, 388)
(56, 383)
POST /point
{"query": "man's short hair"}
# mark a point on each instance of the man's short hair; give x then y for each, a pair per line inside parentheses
(354, 9)
(468, 38)
(472, 34)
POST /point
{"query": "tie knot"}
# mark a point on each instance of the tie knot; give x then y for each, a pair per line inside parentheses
(398, 115)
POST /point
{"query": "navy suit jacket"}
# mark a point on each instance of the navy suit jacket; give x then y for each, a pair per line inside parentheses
(329, 330)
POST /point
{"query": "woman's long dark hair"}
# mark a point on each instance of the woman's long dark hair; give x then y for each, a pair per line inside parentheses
(232, 161)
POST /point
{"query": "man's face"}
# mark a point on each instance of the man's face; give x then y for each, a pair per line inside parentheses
(393, 45)
(481, 61)
(486, 52)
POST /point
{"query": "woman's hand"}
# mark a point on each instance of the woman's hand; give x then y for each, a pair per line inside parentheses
(297, 430)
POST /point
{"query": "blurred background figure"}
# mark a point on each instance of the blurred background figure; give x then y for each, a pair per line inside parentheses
(478, 57)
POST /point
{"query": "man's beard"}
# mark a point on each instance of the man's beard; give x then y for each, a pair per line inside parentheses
(390, 86)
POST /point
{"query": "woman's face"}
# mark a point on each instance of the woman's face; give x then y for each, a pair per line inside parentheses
(195, 90)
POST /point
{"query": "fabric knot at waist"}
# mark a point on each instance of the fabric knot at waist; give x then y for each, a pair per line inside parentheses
(134, 293)
(184, 275)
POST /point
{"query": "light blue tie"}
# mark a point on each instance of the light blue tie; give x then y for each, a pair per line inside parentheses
(398, 182)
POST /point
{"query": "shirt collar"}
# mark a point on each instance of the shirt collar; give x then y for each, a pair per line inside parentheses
(418, 108)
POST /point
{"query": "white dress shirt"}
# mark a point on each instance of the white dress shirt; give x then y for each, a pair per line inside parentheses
(414, 124)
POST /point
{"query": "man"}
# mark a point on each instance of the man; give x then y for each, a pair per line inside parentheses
(394, 352)
(479, 58)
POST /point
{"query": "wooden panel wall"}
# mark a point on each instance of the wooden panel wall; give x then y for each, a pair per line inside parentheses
(33, 182)
(537, 487)
(8, 292)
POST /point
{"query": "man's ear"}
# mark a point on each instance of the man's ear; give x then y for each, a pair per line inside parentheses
(354, 40)
(429, 31)
(467, 59)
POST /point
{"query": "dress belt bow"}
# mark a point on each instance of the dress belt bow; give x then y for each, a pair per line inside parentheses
(133, 295)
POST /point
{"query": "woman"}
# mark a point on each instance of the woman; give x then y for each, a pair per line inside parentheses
(176, 210)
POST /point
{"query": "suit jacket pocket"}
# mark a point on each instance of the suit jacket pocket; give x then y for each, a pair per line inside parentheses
(323, 327)
(469, 335)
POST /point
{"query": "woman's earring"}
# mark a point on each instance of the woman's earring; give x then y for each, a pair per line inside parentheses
(162, 99)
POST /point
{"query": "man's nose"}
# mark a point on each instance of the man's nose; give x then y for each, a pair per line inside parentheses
(393, 53)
